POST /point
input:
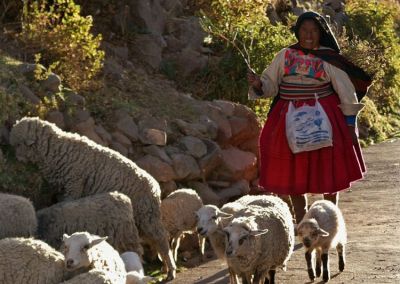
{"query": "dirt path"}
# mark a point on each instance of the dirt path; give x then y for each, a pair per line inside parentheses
(372, 213)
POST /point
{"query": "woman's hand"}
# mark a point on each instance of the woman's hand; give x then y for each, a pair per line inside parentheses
(353, 133)
(254, 80)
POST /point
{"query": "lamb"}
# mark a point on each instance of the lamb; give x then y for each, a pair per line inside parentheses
(134, 268)
(178, 214)
(81, 168)
(22, 213)
(259, 240)
(26, 260)
(84, 252)
(322, 228)
(88, 214)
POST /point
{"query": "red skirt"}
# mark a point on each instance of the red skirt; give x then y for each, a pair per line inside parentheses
(326, 170)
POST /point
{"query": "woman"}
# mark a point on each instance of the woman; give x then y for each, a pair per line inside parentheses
(311, 66)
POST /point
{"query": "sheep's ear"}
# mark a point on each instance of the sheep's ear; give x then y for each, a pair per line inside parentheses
(224, 215)
(258, 232)
(97, 241)
(322, 233)
(65, 236)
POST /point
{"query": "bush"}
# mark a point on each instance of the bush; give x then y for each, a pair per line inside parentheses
(375, 24)
(61, 36)
(243, 36)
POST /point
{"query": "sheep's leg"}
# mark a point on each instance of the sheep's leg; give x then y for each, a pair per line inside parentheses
(341, 255)
(271, 274)
(310, 268)
(202, 244)
(175, 243)
(158, 240)
(318, 263)
(246, 279)
(233, 279)
(325, 267)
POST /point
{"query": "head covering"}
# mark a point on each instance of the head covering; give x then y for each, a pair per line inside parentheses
(327, 38)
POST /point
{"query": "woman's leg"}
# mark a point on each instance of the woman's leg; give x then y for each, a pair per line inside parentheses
(299, 202)
(332, 197)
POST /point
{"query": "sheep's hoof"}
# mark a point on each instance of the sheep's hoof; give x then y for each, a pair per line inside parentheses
(325, 276)
(171, 275)
(318, 271)
(341, 264)
(311, 274)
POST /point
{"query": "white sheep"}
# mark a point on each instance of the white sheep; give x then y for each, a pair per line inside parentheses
(259, 240)
(178, 213)
(134, 268)
(322, 228)
(84, 251)
(81, 168)
(212, 220)
(17, 216)
(26, 260)
(105, 214)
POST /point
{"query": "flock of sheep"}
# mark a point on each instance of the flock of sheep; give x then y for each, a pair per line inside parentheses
(109, 207)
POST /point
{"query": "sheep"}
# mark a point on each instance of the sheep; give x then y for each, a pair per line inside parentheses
(211, 220)
(27, 260)
(81, 168)
(134, 268)
(259, 240)
(178, 214)
(84, 251)
(322, 228)
(22, 213)
(105, 214)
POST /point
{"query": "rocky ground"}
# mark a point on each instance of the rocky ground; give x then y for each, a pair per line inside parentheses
(371, 210)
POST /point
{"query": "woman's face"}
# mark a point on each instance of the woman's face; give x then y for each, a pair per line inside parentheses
(309, 34)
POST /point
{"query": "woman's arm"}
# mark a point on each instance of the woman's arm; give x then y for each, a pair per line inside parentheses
(268, 84)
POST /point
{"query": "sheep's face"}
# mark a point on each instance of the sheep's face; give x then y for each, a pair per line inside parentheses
(23, 139)
(309, 232)
(239, 235)
(208, 219)
(76, 249)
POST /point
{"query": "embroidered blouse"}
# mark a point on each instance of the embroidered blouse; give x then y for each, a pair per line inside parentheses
(295, 67)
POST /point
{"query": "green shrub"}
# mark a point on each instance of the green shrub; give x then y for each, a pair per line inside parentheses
(13, 105)
(240, 32)
(375, 23)
(63, 39)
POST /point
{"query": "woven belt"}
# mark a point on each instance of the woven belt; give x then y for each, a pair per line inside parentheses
(290, 91)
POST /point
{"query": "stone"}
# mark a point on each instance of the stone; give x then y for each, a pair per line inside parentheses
(206, 193)
(56, 117)
(185, 167)
(160, 170)
(29, 95)
(153, 136)
(128, 127)
(193, 146)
